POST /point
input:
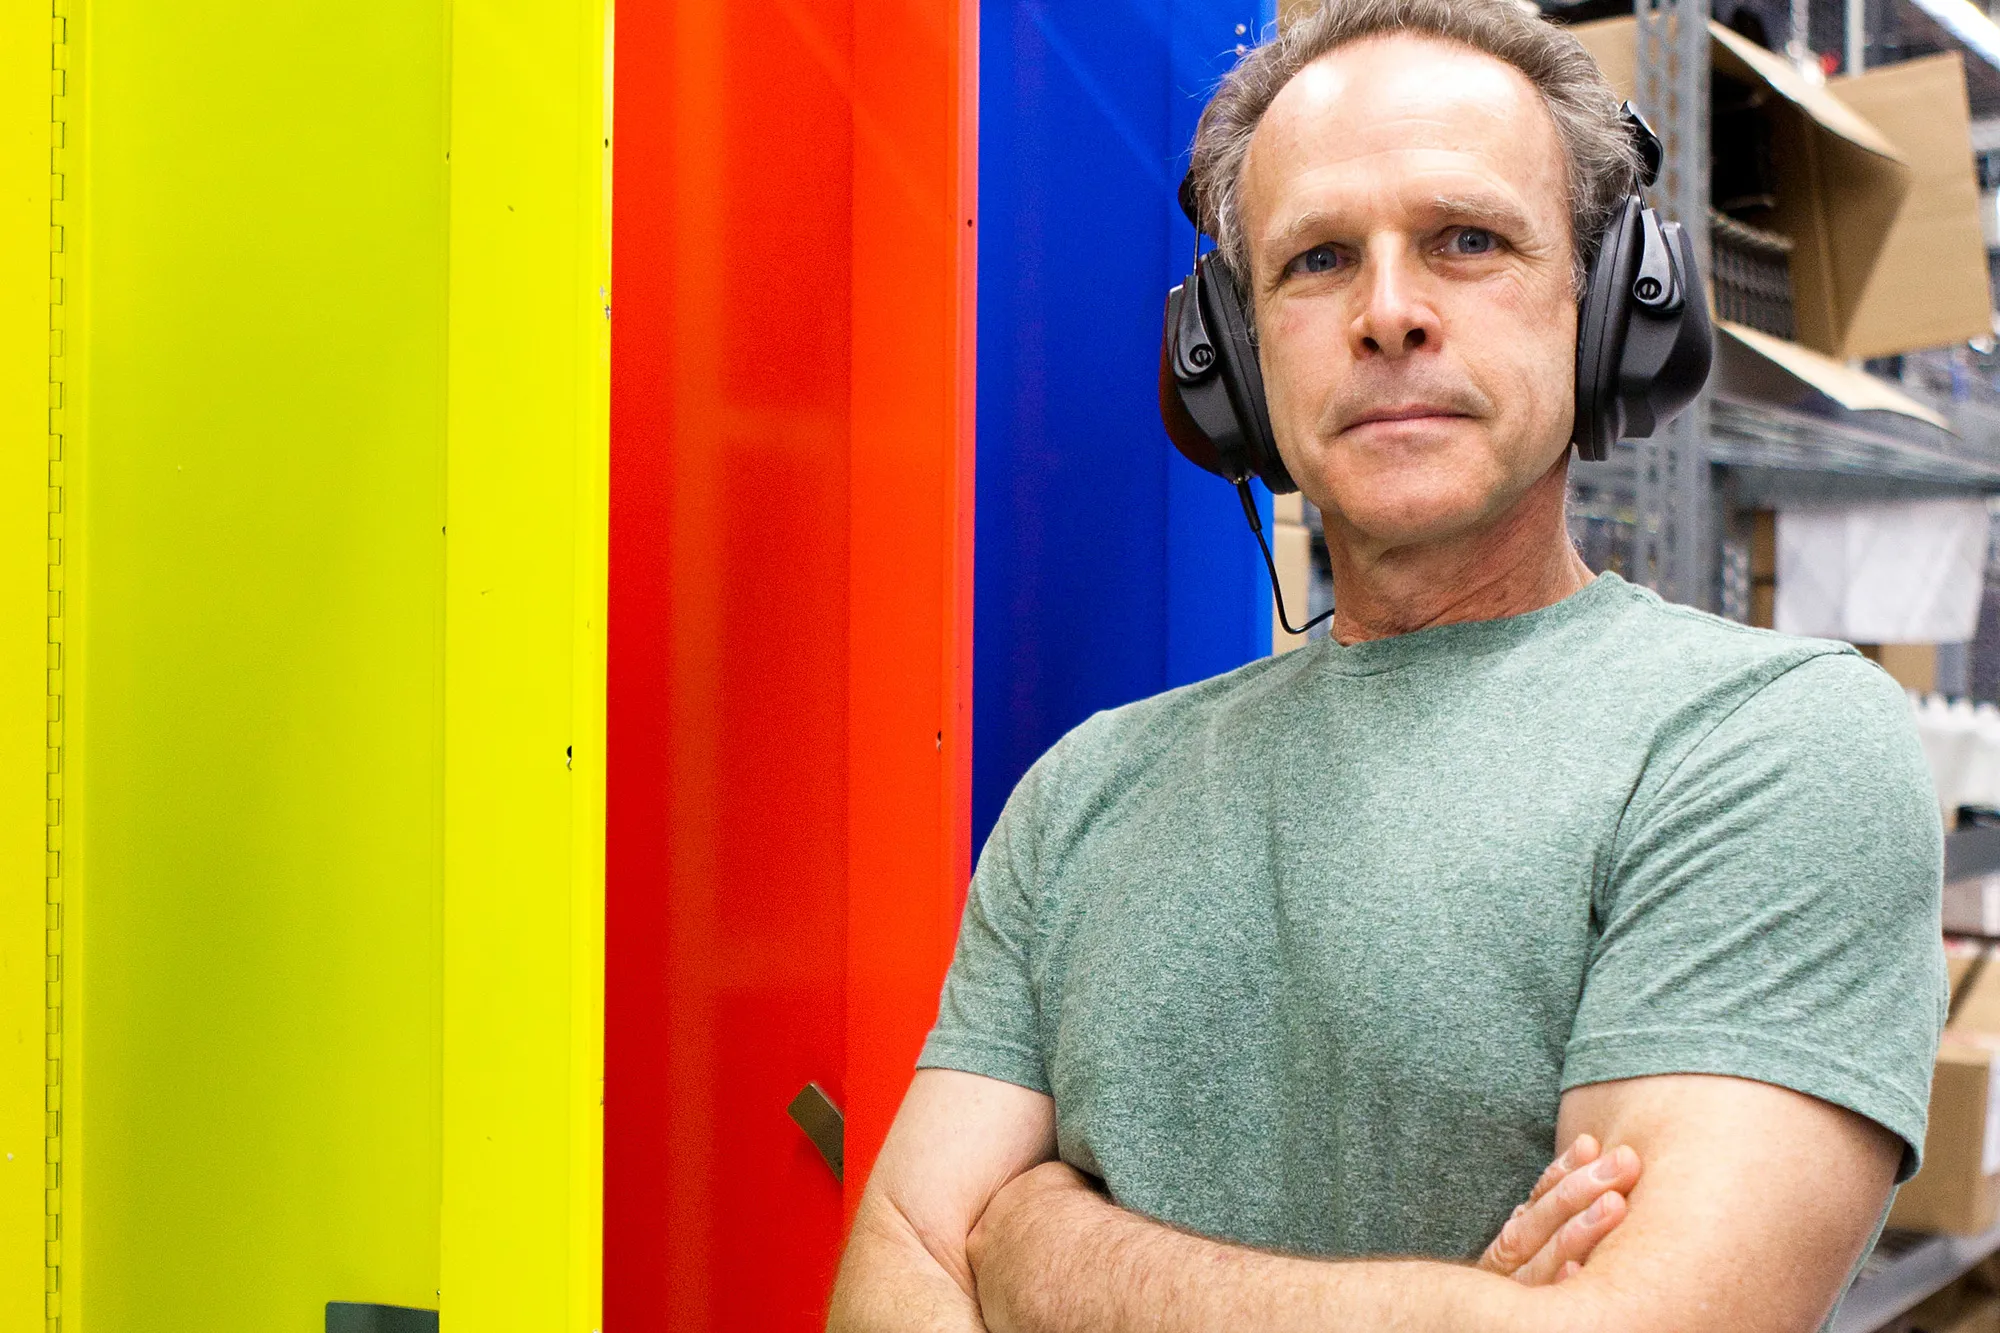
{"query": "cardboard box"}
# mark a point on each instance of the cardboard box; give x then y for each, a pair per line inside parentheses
(1929, 286)
(1975, 990)
(1911, 665)
(1751, 364)
(1840, 181)
(1291, 552)
(1980, 1316)
(1963, 1307)
(1959, 955)
(1764, 568)
(1958, 1190)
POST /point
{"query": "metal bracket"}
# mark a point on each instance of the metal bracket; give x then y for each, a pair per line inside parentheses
(814, 1112)
(359, 1317)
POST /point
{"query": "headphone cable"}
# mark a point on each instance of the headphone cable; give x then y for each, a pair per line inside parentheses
(1277, 593)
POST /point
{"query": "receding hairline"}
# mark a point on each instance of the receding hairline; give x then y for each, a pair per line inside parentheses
(1600, 157)
(1421, 36)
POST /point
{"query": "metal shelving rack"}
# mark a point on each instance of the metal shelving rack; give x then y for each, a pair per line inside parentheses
(1672, 472)
(1670, 481)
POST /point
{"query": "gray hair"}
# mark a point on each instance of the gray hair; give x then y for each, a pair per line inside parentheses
(1602, 160)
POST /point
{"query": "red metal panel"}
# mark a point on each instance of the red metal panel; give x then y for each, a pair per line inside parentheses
(910, 605)
(727, 783)
(787, 813)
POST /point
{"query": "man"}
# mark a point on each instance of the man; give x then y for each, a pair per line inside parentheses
(1274, 993)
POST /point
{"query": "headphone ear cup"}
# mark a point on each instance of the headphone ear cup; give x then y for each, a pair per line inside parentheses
(1196, 405)
(1668, 346)
(1180, 399)
(1601, 320)
(1222, 302)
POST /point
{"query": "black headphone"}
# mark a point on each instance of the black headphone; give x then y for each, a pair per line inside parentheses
(1643, 346)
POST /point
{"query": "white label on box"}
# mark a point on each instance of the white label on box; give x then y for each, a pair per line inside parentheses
(1989, 905)
(1989, 1159)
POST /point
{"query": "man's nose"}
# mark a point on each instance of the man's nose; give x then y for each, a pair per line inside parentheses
(1396, 318)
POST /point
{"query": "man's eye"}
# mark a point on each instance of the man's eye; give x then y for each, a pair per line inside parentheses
(1472, 241)
(1319, 259)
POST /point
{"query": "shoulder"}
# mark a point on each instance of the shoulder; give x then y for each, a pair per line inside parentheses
(1117, 737)
(1698, 673)
(1832, 724)
(1104, 759)
(1646, 629)
(1753, 731)
(1800, 743)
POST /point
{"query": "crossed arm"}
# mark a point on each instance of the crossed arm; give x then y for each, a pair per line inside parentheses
(1753, 1207)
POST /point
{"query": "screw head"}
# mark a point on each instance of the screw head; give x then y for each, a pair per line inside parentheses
(1201, 354)
(1648, 289)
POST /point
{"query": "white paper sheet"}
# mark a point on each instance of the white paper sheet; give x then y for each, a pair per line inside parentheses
(1906, 571)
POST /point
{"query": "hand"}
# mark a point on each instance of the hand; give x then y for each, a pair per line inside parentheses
(1578, 1201)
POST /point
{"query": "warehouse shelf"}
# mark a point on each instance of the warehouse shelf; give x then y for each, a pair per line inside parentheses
(1759, 435)
(1903, 1270)
(1972, 884)
(1789, 451)
(1971, 851)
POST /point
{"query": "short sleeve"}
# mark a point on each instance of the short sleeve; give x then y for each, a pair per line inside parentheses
(989, 1016)
(1772, 906)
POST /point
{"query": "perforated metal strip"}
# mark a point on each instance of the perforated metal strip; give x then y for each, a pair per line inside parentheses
(59, 66)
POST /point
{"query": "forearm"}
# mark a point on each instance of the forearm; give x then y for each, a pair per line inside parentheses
(1087, 1266)
(889, 1283)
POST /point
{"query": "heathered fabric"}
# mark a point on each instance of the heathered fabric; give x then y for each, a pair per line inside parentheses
(1307, 954)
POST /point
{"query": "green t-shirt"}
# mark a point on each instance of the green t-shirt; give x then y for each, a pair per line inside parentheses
(1307, 954)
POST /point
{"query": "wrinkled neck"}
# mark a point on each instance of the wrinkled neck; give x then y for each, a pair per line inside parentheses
(1518, 562)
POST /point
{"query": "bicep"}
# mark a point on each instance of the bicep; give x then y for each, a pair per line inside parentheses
(1752, 1208)
(957, 1139)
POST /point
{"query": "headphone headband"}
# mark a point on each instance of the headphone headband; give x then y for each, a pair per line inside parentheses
(1651, 151)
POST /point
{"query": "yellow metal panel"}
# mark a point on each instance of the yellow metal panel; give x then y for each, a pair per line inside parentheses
(68, 375)
(592, 572)
(524, 666)
(27, 39)
(256, 603)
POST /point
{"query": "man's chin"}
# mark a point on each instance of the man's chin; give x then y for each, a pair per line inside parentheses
(1388, 521)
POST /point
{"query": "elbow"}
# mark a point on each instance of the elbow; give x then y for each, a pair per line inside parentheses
(887, 1257)
(874, 1254)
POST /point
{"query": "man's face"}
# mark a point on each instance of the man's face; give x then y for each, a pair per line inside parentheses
(1405, 207)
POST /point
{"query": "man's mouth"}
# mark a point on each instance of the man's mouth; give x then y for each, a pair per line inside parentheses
(1406, 412)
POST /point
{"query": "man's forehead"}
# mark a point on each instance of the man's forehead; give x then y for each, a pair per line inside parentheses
(1404, 94)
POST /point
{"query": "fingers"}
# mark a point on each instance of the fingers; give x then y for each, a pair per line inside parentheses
(1530, 1235)
(1585, 1208)
(1582, 1152)
(1519, 1240)
(1565, 1254)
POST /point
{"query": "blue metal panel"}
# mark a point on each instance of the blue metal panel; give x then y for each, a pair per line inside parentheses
(1108, 568)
